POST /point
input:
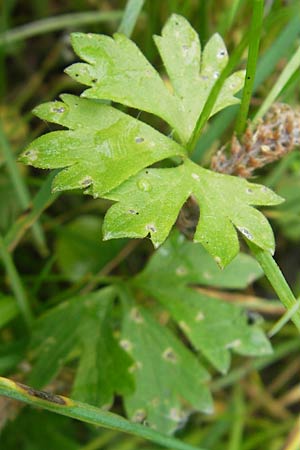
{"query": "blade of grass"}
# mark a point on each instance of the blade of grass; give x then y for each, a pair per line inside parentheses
(254, 40)
(283, 79)
(86, 413)
(57, 23)
(209, 104)
(16, 283)
(238, 419)
(277, 280)
(21, 190)
(265, 67)
(41, 201)
(131, 13)
(284, 319)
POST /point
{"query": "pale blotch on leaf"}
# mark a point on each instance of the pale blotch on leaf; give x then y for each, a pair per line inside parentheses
(133, 211)
(59, 110)
(181, 271)
(136, 316)
(246, 233)
(207, 275)
(169, 355)
(200, 316)
(139, 416)
(126, 345)
(86, 181)
(144, 185)
(221, 54)
(31, 155)
(151, 227)
(216, 75)
(139, 139)
(217, 259)
(134, 367)
(177, 416)
(249, 191)
(234, 344)
(195, 176)
(184, 326)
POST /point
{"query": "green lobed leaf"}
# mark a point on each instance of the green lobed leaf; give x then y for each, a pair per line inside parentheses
(213, 326)
(170, 382)
(104, 366)
(116, 70)
(83, 324)
(103, 147)
(225, 204)
(80, 250)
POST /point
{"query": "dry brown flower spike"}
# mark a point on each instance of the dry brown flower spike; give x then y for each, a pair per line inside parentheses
(275, 135)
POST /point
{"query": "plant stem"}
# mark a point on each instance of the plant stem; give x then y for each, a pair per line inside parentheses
(86, 413)
(57, 23)
(255, 34)
(16, 283)
(277, 280)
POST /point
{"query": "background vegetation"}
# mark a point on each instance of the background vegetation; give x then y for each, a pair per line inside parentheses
(50, 244)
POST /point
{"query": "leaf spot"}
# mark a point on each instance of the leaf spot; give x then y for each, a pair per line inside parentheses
(181, 271)
(195, 176)
(221, 54)
(133, 211)
(184, 326)
(200, 316)
(136, 316)
(207, 275)
(249, 191)
(58, 110)
(246, 233)
(234, 344)
(139, 416)
(139, 139)
(217, 259)
(86, 181)
(170, 356)
(216, 75)
(134, 367)
(144, 185)
(151, 227)
(31, 155)
(176, 415)
(126, 345)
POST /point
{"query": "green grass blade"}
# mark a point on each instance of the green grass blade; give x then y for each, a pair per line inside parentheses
(41, 201)
(57, 23)
(86, 413)
(285, 76)
(21, 189)
(16, 283)
(131, 13)
(255, 34)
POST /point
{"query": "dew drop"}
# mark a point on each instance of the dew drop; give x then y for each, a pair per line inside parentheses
(246, 233)
(144, 185)
(216, 75)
